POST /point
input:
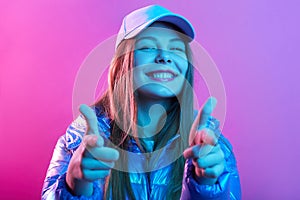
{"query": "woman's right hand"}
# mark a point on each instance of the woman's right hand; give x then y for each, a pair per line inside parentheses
(91, 161)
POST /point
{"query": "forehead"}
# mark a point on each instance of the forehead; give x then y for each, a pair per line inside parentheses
(161, 30)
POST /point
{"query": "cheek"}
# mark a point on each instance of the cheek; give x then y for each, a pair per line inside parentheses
(135, 56)
(139, 77)
(183, 64)
(141, 58)
(185, 67)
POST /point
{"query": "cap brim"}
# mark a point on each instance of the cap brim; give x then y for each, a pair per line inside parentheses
(177, 20)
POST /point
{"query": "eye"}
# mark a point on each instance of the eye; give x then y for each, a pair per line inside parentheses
(146, 48)
(177, 49)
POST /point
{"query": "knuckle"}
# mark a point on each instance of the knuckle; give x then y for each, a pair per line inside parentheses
(104, 173)
(110, 165)
(214, 174)
(222, 168)
(201, 162)
(195, 163)
(221, 154)
(85, 175)
(86, 140)
(88, 153)
(195, 150)
(82, 164)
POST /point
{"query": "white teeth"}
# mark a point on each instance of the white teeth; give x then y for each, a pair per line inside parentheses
(163, 75)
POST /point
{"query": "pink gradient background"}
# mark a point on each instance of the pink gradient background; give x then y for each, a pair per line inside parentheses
(255, 44)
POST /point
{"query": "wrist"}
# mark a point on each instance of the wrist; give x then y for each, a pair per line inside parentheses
(199, 176)
(205, 180)
(79, 187)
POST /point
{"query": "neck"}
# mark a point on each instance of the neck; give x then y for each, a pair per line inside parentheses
(151, 115)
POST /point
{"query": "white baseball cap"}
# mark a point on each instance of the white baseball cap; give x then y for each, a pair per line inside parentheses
(139, 19)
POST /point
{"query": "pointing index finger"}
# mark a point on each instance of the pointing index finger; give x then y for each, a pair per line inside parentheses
(207, 110)
(202, 116)
(91, 119)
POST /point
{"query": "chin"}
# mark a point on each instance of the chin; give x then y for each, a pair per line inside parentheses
(158, 91)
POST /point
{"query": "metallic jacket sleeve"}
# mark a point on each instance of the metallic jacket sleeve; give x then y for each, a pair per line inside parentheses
(227, 186)
(55, 186)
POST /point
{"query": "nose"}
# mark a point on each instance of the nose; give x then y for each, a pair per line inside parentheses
(163, 57)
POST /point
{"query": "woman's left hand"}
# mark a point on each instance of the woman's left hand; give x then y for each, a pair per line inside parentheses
(205, 152)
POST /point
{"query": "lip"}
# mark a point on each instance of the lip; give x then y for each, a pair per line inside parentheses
(159, 78)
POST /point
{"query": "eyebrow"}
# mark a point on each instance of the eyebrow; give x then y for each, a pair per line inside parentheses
(146, 38)
(154, 39)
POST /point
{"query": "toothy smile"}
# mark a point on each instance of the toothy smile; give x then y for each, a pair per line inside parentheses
(162, 75)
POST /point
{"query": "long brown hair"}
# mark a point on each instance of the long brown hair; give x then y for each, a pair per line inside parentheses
(119, 104)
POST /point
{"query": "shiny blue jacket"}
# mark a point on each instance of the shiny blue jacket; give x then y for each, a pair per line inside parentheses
(227, 186)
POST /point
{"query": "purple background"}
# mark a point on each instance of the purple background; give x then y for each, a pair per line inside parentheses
(255, 44)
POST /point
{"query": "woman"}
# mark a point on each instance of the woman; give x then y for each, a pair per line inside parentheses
(130, 145)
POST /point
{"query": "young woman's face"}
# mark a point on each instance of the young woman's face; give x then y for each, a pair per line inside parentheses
(160, 61)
